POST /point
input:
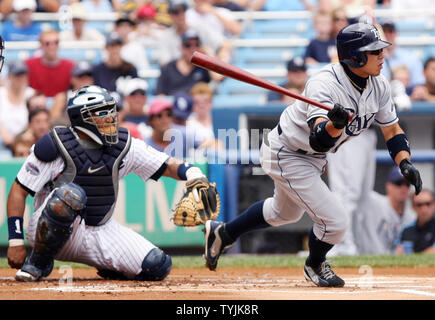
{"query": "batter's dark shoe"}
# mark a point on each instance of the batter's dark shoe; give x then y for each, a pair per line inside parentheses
(323, 276)
(216, 240)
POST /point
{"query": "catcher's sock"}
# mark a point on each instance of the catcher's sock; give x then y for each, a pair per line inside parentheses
(250, 219)
(318, 251)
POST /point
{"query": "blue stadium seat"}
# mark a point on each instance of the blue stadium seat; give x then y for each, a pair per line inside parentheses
(234, 100)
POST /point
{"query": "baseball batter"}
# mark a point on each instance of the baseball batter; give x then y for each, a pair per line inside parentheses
(73, 173)
(294, 152)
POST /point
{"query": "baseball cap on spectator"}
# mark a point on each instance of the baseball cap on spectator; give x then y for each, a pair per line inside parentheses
(190, 34)
(176, 5)
(20, 5)
(114, 38)
(183, 104)
(158, 105)
(17, 68)
(77, 11)
(124, 18)
(136, 86)
(296, 64)
(395, 175)
(81, 68)
(147, 11)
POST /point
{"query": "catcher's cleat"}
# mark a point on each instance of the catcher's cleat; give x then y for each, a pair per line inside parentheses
(216, 240)
(31, 273)
(323, 276)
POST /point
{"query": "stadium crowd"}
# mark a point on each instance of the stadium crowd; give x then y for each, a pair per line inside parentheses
(34, 93)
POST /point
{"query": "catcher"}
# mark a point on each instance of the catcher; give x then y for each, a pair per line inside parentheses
(73, 174)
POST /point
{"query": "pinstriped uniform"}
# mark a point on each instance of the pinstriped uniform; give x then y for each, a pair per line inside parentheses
(296, 168)
(111, 245)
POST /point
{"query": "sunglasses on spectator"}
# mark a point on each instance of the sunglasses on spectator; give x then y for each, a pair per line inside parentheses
(375, 52)
(161, 115)
(47, 43)
(400, 183)
(421, 204)
(191, 44)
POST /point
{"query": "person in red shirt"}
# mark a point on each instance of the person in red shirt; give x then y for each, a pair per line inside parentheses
(49, 74)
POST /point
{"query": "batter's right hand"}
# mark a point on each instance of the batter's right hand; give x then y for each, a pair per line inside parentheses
(16, 256)
(339, 116)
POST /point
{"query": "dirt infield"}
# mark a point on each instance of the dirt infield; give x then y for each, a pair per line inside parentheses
(227, 284)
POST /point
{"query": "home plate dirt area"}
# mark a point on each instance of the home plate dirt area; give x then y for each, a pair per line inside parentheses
(398, 283)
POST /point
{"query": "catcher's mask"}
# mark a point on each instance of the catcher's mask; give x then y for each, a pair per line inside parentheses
(355, 40)
(2, 58)
(92, 110)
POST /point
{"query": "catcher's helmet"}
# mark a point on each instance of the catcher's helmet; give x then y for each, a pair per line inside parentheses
(2, 58)
(92, 110)
(354, 40)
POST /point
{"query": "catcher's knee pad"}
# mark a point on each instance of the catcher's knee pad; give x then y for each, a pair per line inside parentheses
(155, 266)
(54, 224)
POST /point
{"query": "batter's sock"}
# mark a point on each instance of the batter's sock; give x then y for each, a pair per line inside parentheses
(250, 219)
(318, 250)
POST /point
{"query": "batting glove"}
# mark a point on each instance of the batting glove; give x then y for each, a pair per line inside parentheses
(411, 174)
(338, 116)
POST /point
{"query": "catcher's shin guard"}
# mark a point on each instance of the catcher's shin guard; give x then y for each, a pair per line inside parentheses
(53, 230)
(155, 266)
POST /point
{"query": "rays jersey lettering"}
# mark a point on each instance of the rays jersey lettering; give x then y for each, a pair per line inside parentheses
(359, 124)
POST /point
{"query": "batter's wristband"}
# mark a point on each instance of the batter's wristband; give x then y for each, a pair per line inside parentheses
(398, 143)
(15, 228)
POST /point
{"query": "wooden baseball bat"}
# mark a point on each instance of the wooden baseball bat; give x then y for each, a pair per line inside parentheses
(226, 69)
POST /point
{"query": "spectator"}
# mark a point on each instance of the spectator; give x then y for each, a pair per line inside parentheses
(220, 20)
(353, 8)
(148, 31)
(21, 146)
(166, 136)
(227, 4)
(322, 49)
(22, 28)
(132, 51)
(399, 82)
(183, 104)
(419, 237)
(253, 5)
(427, 91)
(201, 120)
(114, 67)
(49, 74)
(79, 30)
(381, 218)
(181, 74)
(13, 110)
(296, 78)
(39, 125)
(36, 101)
(102, 6)
(81, 76)
(395, 56)
(339, 21)
(213, 43)
(135, 104)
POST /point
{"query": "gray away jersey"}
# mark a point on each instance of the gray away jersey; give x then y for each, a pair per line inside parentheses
(331, 85)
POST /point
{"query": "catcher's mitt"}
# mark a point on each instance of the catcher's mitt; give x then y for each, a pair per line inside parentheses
(199, 203)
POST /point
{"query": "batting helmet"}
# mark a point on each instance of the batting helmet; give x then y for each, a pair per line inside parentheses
(92, 110)
(2, 58)
(355, 40)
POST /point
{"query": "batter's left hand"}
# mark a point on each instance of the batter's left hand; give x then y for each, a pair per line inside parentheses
(411, 174)
(339, 116)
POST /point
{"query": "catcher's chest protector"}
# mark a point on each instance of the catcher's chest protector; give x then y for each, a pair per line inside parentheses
(95, 170)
